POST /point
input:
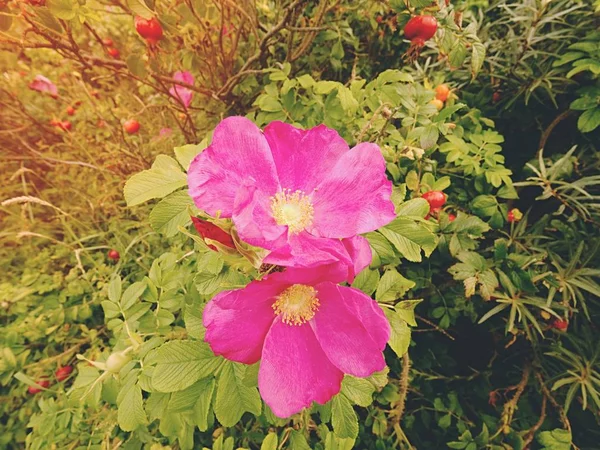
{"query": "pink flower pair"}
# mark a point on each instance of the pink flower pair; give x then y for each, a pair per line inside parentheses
(305, 196)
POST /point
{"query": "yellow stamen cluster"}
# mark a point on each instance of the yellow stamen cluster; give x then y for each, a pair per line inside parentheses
(293, 209)
(297, 304)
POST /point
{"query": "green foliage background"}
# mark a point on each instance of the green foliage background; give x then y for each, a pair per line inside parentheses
(474, 359)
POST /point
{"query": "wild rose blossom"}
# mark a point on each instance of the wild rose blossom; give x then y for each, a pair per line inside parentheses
(42, 84)
(306, 331)
(302, 194)
(180, 92)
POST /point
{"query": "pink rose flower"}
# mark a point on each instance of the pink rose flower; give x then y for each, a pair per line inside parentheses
(306, 331)
(302, 194)
(180, 92)
(42, 84)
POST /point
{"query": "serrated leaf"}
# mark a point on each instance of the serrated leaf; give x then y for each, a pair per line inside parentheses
(136, 66)
(401, 333)
(186, 153)
(172, 212)
(270, 442)
(358, 390)
(132, 294)
(410, 237)
(164, 177)
(234, 398)
(181, 363)
(114, 289)
(392, 286)
(406, 310)
(367, 281)
(130, 403)
(343, 417)
(477, 58)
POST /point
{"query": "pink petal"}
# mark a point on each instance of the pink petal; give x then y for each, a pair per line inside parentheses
(294, 371)
(239, 154)
(303, 157)
(237, 321)
(369, 313)
(165, 132)
(343, 336)
(360, 253)
(305, 250)
(181, 92)
(254, 221)
(42, 84)
(354, 197)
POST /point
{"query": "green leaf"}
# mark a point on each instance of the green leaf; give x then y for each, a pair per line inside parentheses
(114, 289)
(358, 390)
(349, 103)
(181, 363)
(367, 281)
(589, 120)
(186, 153)
(343, 417)
(131, 412)
(136, 66)
(172, 212)
(139, 8)
(234, 398)
(164, 177)
(417, 207)
(202, 405)
(392, 286)
(383, 252)
(477, 58)
(132, 294)
(429, 136)
(555, 440)
(298, 441)
(401, 333)
(406, 311)
(270, 442)
(63, 9)
(410, 237)
(325, 87)
(457, 54)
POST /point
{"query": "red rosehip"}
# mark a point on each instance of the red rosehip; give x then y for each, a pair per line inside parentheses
(107, 42)
(451, 217)
(150, 29)
(496, 97)
(420, 29)
(114, 255)
(560, 324)
(436, 199)
(64, 125)
(43, 383)
(211, 231)
(442, 92)
(113, 52)
(70, 110)
(379, 19)
(62, 373)
(131, 126)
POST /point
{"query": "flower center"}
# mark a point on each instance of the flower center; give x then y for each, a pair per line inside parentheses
(297, 304)
(293, 209)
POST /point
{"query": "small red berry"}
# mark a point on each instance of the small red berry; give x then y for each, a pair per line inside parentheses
(496, 97)
(131, 126)
(64, 125)
(62, 373)
(436, 199)
(70, 110)
(560, 324)
(514, 215)
(107, 42)
(114, 255)
(442, 92)
(43, 383)
(113, 52)
(150, 29)
(451, 217)
(379, 19)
